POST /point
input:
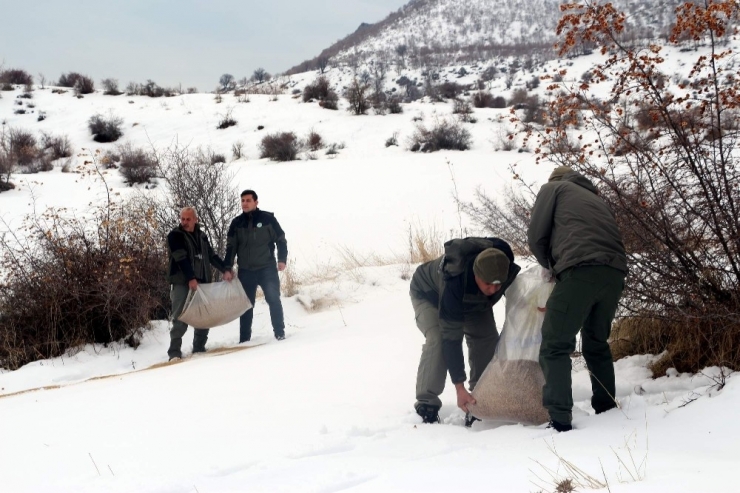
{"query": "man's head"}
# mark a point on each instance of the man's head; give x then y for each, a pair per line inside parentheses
(249, 200)
(491, 269)
(558, 173)
(188, 218)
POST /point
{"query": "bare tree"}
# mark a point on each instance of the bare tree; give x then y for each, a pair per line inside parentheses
(227, 82)
(260, 75)
(194, 179)
(322, 62)
(357, 96)
(665, 160)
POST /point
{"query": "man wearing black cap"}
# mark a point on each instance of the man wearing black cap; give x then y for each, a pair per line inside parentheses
(574, 235)
(453, 297)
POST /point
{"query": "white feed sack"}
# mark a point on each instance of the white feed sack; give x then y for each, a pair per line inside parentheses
(215, 304)
(510, 388)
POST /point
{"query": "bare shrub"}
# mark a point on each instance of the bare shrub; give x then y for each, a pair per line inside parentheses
(462, 107)
(105, 129)
(314, 141)
(84, 85)
(331, 103)
(216, 158)
(58, 146)
(319, 90)
(507, 217)
(81, 83)
(450, 90)
(97, 280)
(15, 76)
(137, 165)
(226, 120)
(334, 148)
(483, 99)
(110, 87)
(21, 148)
(282, 146)
(394, 105)
(518, 97)
(237, 149)
(445, 134)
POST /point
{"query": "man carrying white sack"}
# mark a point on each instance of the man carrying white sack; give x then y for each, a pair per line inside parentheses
(453, 297)
(191, 258)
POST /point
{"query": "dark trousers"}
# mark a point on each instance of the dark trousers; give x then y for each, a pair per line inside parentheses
(481, 337)
(266, 278)
(585, 298)
(178, 296)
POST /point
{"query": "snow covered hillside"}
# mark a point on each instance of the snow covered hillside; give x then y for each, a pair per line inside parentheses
(427, 33)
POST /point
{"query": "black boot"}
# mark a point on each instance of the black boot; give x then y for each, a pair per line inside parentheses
(174, 349)
(199, 340)
(429, 413)
(559, 427)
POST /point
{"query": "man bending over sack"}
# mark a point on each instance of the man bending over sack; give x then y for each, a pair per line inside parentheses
(453, 297)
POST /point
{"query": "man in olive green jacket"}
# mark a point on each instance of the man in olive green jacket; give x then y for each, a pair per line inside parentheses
(575, 237)
(452, 298)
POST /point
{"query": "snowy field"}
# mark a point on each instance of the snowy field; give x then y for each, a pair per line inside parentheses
(329, 409)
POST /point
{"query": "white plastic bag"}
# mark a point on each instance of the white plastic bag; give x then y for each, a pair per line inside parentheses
(214, 304)
(510, 388)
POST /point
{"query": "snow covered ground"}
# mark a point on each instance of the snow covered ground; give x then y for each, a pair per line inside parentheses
(330, 408)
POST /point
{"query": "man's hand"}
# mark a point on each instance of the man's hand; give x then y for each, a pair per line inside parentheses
(281, 266)
(546, 275)
(463, 397)
(193, 285)
(228, 276)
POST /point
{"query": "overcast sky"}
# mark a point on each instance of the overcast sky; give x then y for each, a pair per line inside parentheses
(191, 42)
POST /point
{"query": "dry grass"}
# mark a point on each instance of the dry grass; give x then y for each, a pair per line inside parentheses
(290, 282)
(686, 345)
(567, 476)
(425, 243)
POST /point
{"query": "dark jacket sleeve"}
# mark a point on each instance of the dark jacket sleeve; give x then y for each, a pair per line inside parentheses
(215, 259)
(179, 252)
(540, 225)
(280, 241)
(230, 246)
(451, 321)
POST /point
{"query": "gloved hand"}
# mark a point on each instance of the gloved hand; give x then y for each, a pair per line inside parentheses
(546, 275)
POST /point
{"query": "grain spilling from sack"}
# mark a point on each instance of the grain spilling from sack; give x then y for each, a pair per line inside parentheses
(511, 391)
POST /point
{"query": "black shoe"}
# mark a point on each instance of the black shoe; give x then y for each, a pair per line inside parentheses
(429, 413)
(559, 427)
(280, 337)
(469, 420)
(605, 409)
(199, 350)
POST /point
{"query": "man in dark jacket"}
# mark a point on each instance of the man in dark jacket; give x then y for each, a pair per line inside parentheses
(252, 238)
(191, 258)
(453, 297)
(575, 237)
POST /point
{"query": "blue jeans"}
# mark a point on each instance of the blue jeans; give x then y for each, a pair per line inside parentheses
(266, 278)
